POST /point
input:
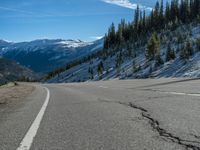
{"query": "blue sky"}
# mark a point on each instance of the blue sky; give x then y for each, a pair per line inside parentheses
(25, 20)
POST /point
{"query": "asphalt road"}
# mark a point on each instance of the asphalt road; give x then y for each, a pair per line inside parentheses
(151, 114)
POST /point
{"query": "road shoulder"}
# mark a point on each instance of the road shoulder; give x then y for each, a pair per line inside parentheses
(12, 93)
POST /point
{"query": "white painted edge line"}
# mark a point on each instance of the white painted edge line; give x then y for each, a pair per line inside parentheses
(104, 87)
(31, 133)
(186, 94)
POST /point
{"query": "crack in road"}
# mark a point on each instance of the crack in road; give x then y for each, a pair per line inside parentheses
(162, 132)
(189, 145)
(196, 136)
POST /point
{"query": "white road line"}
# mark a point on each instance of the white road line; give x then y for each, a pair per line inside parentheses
(29, 137)
(103, 87)
(179, 93)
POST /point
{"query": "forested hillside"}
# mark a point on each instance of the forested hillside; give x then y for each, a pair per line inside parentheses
(11, 71)
(164, 43)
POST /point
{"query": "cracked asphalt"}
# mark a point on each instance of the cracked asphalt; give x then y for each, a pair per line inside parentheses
(150, 114)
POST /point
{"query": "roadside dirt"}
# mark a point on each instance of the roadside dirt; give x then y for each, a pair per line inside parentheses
(13, 93)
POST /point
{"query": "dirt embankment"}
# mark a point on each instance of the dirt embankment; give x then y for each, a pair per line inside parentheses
(12, 93)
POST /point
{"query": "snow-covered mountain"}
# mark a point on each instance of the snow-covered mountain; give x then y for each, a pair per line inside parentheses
(45, 55)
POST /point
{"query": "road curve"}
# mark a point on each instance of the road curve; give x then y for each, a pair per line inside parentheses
(31, 133)
(115, 115)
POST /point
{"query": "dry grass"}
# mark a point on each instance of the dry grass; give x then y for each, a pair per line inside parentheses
(13, 92)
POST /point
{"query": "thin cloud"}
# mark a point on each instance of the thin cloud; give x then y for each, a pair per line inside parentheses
(19, 13)
(16, 10)
(96, 37)
(126, 4)
(26, 13)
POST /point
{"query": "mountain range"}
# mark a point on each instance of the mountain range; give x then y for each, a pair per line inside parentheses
(45, 55)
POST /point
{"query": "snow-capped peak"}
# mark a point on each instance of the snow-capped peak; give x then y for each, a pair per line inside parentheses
(73, 43)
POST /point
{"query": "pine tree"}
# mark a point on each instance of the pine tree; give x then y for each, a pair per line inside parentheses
(198, 44)
(158, 59)
(186, 51)
(144, 20)
(100, 68)
(184, 54)
(120, 38)
(167, 13)
(156, 15)
(119, 60)
(189, 48)
(112, 34)
(135, 69)
(92, 73)
(153, 47)
(174, 10)
(161, 17)
(130, 50)
(140, 24)
(106, 42)
(170, 55)
(136, 18)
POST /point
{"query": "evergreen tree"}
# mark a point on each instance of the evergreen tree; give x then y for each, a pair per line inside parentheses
(167, 13)
(112, 34)
(158, 58)
(184, 54)
(170, 55)
(153, 47)
(120, 38)
(90, 71)
(135, 68)
(144, 21)
(198, 44)
(161, 15)
(156, 15)
(136, 18)
(186, 51)
(106, 42)
(100, 68)
(119, 60)
(174, 10)
(189, 48)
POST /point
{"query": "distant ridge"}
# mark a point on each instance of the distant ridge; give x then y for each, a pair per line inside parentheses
(11, 71)
(44, 55)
